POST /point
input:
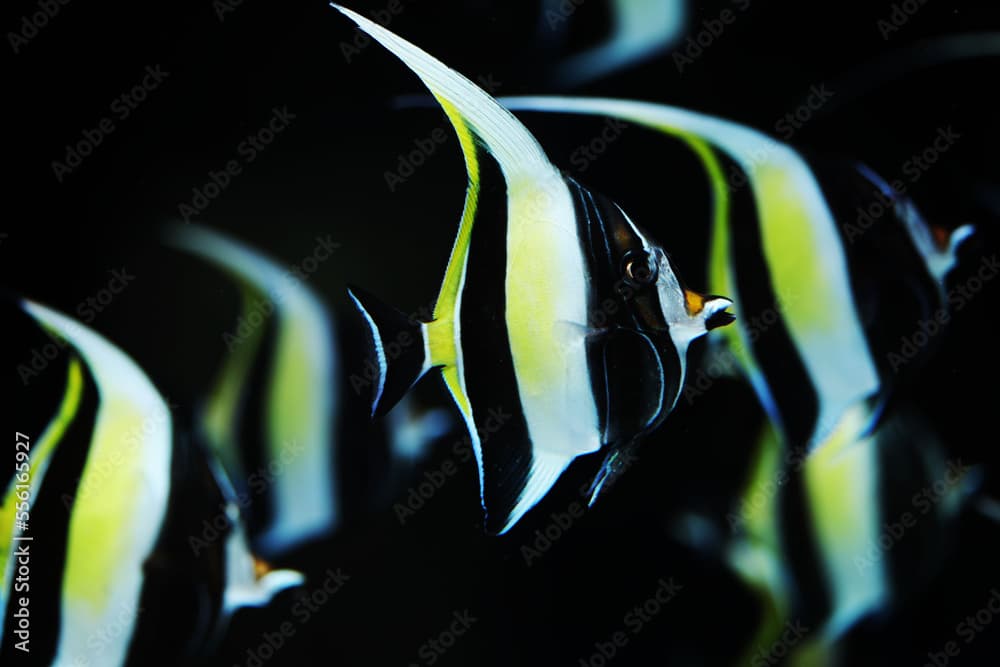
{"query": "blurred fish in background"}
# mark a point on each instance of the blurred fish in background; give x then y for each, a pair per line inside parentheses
(115, 494)
(177, 500)
(273, 419)
(272, 415)
(638, 30)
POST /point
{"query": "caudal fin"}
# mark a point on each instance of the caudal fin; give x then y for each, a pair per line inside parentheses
(399, 350)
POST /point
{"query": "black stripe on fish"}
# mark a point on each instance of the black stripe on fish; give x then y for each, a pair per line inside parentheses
(597, 251)
(596, 248)
(796, 536)
(789, 383)
(791, 387)
(902, 475)
(51, 513)
(184, 580)
(635, 369)
(891, 283)
(916, 478)
(488, 365)
(41, 382)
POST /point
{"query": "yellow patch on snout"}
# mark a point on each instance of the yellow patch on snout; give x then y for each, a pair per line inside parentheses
(261, 568)
(695, 302)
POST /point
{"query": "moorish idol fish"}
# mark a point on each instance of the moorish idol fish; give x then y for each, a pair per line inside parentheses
(555, 308)
(880, 513)
(113, 498)
(777, 244)
(272, 415)
(840, 299)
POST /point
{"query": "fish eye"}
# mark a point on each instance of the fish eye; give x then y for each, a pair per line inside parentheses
(639, 267)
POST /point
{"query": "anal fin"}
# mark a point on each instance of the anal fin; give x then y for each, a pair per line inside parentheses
(503, 508)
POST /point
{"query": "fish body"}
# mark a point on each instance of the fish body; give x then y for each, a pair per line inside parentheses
(552, 300)
(781, 244)
(876, 513)
(836, 299)
(115, 496)
(271, 417)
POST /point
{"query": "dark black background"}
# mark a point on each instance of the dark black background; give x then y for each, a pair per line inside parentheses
(326, 175)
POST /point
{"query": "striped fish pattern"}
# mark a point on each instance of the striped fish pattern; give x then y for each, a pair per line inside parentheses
(782, 232)
(555, 308)
(823, 371)
(271, 417)
(118, 497)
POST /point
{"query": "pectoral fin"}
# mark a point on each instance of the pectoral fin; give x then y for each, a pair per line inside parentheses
(634, 384)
